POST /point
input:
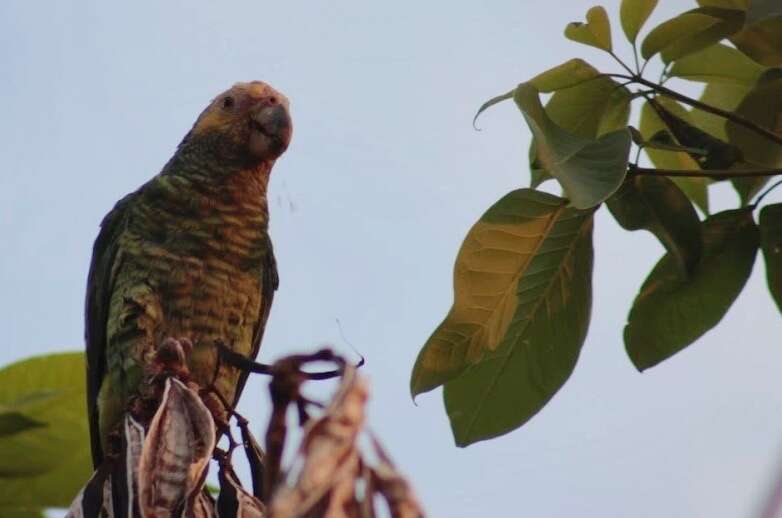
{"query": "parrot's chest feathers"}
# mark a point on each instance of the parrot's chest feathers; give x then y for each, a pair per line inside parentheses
(202, 254)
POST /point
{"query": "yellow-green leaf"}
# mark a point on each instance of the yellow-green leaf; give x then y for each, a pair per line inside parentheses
(691, 31)
(569, 73)
(596, 32)
(771, 244)
(671, 312)
(588, 170)
(633, 15)
(717, 64)
(507, 384)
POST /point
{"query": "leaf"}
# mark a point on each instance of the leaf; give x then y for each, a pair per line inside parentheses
(498, 261)
(588, 170)
(761, 41)
(719, 154)
(569, 73)
(650, 125)
(633, 15)
(691, 31)
(763, 106)
(13, 422)
(45, 466)
(589, 109)
(771, 244)
(717, 64)
(536, 257)
(596, 32)
(761, 10)
(670, 312)
(656, 204)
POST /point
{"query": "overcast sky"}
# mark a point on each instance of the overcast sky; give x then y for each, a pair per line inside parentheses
(383, 179)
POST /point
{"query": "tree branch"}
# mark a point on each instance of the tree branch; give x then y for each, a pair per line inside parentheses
(699, 173)
(731, 116)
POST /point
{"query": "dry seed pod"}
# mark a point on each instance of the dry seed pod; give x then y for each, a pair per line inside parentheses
(176, 453)
(234, 501)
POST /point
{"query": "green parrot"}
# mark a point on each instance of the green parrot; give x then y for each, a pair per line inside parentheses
(187, 256)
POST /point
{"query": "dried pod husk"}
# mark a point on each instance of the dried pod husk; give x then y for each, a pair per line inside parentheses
(176, 453)
(394, 487)
(330, 462)
(233, 501)
(112, 489)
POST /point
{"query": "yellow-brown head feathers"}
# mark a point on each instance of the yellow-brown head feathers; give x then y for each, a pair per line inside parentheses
(251, 118)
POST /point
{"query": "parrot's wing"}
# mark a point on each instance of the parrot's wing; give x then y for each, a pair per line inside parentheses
(270, 281)
(99, 287)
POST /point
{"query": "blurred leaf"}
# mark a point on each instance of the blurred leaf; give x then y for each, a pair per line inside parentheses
(650, 125)
(570, 73)
(691, 31)
(656, 204)
(512, 266)
(537, 173)
(663, 140)
(46, 466)
(763, 106)
(761, 41)
(633, 14)
(596, 32)
(761, 10)
(725, 4)
(588, 170)
(670, 312)
(13, 422)
(771, 244)
(523, 298)
(717, 64)
(21, 512)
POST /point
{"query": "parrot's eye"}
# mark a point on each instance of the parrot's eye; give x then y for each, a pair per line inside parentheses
(228, 102)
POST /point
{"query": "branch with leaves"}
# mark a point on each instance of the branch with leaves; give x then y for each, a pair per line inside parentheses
(523, 277)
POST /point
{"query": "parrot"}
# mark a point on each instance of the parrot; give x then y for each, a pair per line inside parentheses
(187, 256)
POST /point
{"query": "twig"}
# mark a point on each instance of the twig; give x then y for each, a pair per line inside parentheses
(699, 173)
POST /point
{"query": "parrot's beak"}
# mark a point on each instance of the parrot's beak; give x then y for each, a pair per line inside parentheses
(272, 129)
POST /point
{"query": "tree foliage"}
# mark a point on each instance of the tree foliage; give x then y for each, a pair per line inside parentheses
(522, 279)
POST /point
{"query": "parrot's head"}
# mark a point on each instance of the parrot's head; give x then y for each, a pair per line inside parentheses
(249, 122)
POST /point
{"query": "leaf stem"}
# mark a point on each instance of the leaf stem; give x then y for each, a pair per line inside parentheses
(696, 173)
(629, 70)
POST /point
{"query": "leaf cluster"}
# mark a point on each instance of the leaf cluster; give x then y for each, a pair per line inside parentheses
(523, 276)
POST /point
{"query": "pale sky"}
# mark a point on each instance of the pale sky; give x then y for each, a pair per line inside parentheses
(383, 179)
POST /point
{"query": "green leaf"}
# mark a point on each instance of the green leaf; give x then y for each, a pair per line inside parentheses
(671, 312)
(527, 265)
(691, 31)
(569, 73)
(763, 106)
(21, 512)
(506, 258)
(761, 10)
(13, 422)
(588, 170)
(695, 188)
(537, 173)
(771, 244)
(656, 204)
(46, 466)
(596, 32)
(633, 14)
(717, 64)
